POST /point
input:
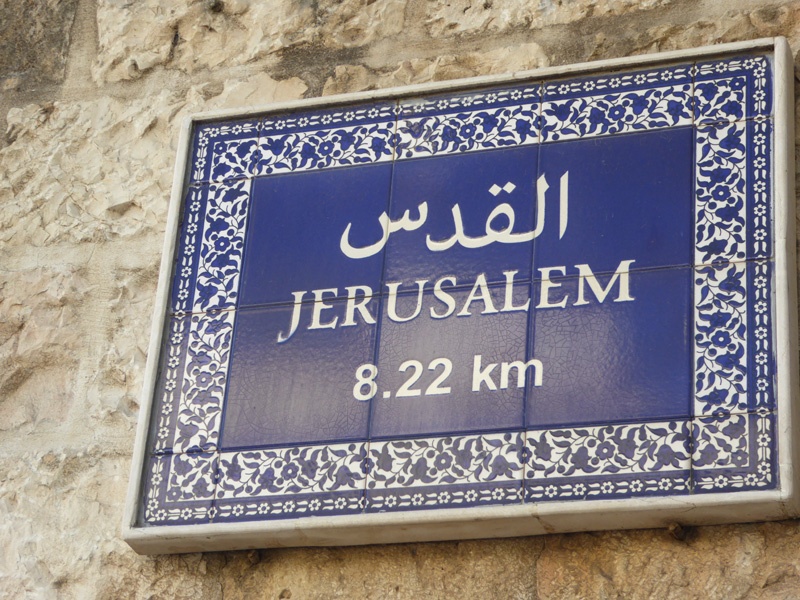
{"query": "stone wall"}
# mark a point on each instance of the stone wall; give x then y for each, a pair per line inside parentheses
(92, 93)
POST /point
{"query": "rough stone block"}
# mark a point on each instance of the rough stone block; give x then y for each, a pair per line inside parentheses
(34, 40)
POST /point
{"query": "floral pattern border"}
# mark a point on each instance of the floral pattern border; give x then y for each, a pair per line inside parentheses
(728, 445)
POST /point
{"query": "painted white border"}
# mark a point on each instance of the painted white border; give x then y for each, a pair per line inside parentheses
(528, 519)
(784, 240)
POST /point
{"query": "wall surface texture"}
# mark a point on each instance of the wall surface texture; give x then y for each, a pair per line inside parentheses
(92, 93)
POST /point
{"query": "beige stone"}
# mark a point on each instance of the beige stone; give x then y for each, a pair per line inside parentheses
(99, 170)
(467, 16)
(352, 78)
(34, 39)
(85, 171)
(135, 37)
(746, 561)
(59, 521)
(618, 39)
(203, 34)
(350, 23)
(36, 307)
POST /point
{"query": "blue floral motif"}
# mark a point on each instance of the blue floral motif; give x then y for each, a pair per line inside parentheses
(325, 148)
(720, 193)
(611, 113)
(732, 89)
(180, 488)
(467, 131)
(200, 405)
(608, 449)
(266, 473)
(222, 246)
(465, 459)
(720, 338)
(224, 151)
(741, 445)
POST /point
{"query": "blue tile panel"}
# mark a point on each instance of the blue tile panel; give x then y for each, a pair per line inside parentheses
(627, 359)
(224, 150)
(735, 452)
(299, 391)
(344, 280)
(733, 89)
(303, 215)
(642, 181)
(473, 191)
(426, 365)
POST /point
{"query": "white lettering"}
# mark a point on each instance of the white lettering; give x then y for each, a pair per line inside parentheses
(508, 304)
(521, 367)
(298, 298)
(319, 306)
(361, 307)
(480, 376)
(391, 305)
(588, 276)
(443, 297)
(546, 285)
(480, 291)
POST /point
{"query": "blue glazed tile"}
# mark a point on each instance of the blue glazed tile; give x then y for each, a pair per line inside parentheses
(489, 196)
(617, 82)
(733, 218)
(447, 472)
(468, 101)
(325, 138)
(297, 225)
(735, 452)
(184, 276)
(733, 89)
(443, 496)
(289, 506)
(734, 361)
(300, 390)
(476, 120)
(621, 460)
(617, 198)
(609, 486)
(187, 258)
(210, 245)
(179, 489)
(286, 483)
(627, 358)
(761, 337)
(224, 150)
(191, 383)
(366, 114)
(720, 193)
(617, 103)
(759, 189)
(171, 372)
(448, 339)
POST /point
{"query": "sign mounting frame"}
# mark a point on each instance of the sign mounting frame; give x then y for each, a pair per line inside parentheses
(227, 518)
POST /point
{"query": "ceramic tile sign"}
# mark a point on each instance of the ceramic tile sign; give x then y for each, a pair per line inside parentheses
(548, 302)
